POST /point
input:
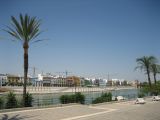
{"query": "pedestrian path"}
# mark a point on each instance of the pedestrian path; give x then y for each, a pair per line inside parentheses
(106, 111)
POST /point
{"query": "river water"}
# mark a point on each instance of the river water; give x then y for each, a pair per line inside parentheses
(53, 98)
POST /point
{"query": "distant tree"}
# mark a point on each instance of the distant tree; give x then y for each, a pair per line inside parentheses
(144, 83)
(87, 82)
(144, 63)
(124, 83)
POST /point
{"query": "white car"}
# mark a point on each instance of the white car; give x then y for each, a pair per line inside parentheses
(119, 98)
(156, 98)
(140, 101)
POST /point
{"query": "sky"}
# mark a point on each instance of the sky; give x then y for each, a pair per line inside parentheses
(90, 38)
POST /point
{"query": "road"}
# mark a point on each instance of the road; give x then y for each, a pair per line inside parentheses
(115, 111)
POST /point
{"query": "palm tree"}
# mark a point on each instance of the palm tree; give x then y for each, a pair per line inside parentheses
(24, 30)
(144, 63)
(155, 68)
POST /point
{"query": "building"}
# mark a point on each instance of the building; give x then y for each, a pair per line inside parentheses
(100, 82)
(135, 83)
(3, 79)
(17, 79)
(117, 82)
(59, 81)
(14, 79)
(44, 79)
(82, 81)
(109, 83)
(32, 80)
(73, 81)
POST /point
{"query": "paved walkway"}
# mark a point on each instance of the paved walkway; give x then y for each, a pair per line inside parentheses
(115, 111)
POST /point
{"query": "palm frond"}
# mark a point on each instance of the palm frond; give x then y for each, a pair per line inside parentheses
(37, 41)
(155, 68)
(158, 68)
(13, 33)
(17, 26)
(26, 29)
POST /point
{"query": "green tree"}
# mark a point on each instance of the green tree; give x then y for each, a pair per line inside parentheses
(24, 30)
(87, 82)
(144, 63)
(155, 68)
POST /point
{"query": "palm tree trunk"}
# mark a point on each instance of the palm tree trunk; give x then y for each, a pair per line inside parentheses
(25, 47)
(149, 79)
(155, 80)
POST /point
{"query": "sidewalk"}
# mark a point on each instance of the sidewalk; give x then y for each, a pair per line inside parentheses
(115, 111)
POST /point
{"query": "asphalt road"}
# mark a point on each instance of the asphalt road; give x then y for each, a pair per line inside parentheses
(115, 111)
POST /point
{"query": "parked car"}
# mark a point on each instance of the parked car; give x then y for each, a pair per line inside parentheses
(120, 98)
(140, 101)
(156, 98)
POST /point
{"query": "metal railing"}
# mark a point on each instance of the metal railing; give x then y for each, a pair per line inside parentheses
(46, 99)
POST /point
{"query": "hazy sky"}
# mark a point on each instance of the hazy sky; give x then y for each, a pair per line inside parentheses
(86, 37)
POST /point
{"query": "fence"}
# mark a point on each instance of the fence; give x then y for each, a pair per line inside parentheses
(45, 99)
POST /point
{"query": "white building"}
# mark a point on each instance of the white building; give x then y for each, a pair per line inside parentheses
(45, 79)
(119, 82)
(3, 79)
(50, 80)
(102, 82)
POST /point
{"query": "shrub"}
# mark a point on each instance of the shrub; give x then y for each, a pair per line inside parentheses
(79, 98)
(71, 98)
(105, 97)
(1, 102)
(110, 96)
(11, 100)
(154, 90)
(97, 100)
(64, 99)
(76, 98)
(28, 100)
(141, 95)
(116, 99)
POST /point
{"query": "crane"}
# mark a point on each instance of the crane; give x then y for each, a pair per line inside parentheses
(34, 70)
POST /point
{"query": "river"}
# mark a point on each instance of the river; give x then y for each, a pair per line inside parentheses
(53, 98)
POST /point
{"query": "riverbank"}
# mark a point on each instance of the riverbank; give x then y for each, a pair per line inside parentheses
(41, 90)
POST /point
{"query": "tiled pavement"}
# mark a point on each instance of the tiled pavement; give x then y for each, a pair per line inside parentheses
(115, 111)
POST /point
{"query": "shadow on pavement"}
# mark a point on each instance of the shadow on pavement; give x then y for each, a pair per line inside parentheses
(15, 117)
